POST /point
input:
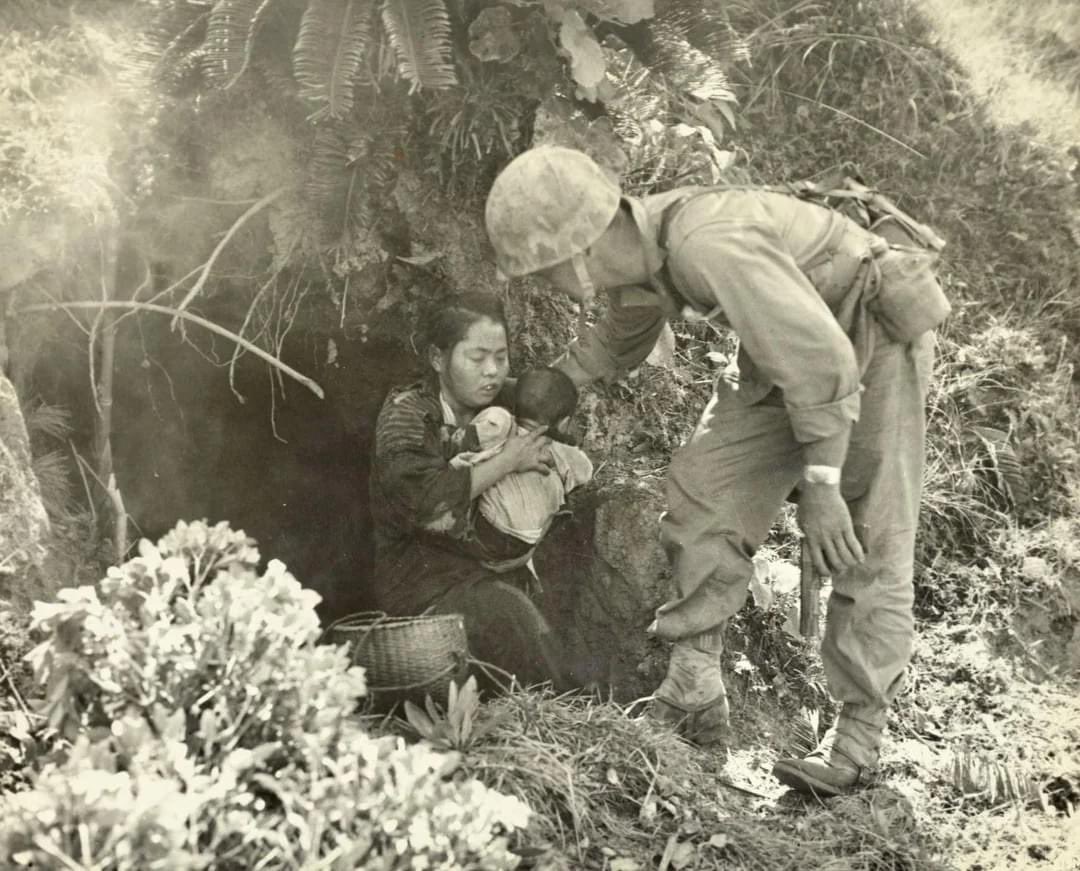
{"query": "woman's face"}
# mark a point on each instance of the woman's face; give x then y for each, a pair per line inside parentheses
(472, 372)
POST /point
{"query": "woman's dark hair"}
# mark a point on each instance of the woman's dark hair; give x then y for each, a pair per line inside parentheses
(448, 319)
(545, 395)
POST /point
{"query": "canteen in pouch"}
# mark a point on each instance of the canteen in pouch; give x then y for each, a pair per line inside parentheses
(908, 300)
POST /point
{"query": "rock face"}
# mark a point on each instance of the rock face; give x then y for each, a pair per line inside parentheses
(604, 574)
(23, 522)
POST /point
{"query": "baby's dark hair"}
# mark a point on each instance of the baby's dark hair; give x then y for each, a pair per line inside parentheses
(545, 395)
(448, 319)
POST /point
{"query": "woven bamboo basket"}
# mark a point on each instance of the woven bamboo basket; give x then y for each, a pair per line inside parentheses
(405, 658)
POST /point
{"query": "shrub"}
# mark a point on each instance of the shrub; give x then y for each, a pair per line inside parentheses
(379, 804)
(208, 729)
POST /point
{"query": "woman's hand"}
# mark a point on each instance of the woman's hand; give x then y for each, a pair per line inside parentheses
(528, 452)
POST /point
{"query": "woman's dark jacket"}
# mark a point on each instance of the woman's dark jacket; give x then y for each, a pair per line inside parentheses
(425, 524)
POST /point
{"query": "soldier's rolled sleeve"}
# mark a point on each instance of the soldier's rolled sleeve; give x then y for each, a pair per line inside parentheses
(784, 326)
(619, 341)
(814, 423)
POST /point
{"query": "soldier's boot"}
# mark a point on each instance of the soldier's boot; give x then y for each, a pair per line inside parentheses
(692, 698)
(845, 760)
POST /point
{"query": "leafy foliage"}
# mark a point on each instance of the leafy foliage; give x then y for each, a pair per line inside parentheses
(456, 729)
(211, 636)
(426, 78)
(54, 143)
(208, 727)
(1000, 448)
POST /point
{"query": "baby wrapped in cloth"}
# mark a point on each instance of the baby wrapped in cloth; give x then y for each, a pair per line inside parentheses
(523, 504)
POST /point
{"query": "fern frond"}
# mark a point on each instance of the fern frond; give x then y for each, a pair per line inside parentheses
(992, 781)
(1011, 480)
(169, 49)
(480, 118)
(381, 158)
(328, 58)
(689, 70)
(805, 731)
(328, 159)
(230, 38)
(54, 481)
(707, 30)
(419, 31)
(336, 178)
(50, 421)
(273, 62)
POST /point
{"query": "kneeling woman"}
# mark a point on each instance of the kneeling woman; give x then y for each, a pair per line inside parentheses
(435, 553)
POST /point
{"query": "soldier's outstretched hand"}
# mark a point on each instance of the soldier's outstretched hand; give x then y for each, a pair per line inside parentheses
(529, 452)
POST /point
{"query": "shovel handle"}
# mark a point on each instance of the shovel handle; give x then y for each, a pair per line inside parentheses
(809, 590)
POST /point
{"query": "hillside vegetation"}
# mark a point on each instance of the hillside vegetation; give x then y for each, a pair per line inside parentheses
(982, 767)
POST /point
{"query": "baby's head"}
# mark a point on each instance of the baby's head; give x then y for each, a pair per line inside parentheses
(545, 397)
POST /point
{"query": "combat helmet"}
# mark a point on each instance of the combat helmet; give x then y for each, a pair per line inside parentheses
(547, 205)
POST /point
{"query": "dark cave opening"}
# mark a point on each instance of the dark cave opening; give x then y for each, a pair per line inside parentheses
(288, 468)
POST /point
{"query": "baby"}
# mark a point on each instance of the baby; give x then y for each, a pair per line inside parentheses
(523, 504)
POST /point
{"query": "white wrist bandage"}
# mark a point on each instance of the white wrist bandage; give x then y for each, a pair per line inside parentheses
(821, 475)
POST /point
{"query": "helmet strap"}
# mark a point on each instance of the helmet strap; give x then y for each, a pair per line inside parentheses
(588, 289)
(584, 279)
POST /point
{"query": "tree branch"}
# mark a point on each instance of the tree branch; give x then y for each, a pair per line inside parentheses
(120, 531)
(176, 313)
(197, 287)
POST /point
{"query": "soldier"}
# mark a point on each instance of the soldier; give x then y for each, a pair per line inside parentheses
(829, 400)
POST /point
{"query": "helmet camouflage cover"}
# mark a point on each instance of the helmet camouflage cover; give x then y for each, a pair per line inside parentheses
(547, 205)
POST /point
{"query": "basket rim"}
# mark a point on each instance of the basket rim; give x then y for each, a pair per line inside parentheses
(370, 621)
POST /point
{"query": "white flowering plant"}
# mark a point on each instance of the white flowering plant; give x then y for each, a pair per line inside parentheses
(378, 804)
(88, 812)
(190, 626)
(208, 729)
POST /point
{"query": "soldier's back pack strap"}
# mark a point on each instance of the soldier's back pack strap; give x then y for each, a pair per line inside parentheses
(867, 207)
(843, 193)
(907, 298)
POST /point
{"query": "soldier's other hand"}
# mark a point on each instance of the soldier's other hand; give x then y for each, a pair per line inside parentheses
(826, 522)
